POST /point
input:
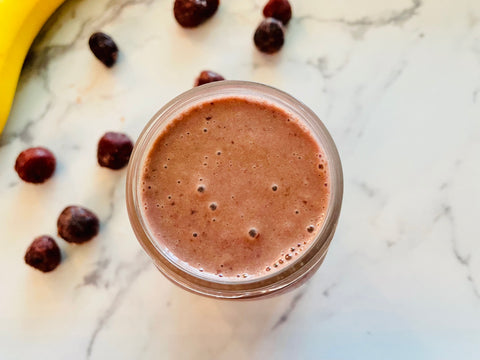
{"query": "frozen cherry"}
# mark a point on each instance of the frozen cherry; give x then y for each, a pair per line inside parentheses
(35, 165)
(43, 254)
(114, 150)
(104, 48)
(208, 76)
(278, 9)
(269, 36)
(77, 224)
(212, 6)
(191, 13)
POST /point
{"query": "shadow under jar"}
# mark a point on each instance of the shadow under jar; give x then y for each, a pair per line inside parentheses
(234, 190)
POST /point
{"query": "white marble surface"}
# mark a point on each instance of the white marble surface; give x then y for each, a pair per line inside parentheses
(398, 85)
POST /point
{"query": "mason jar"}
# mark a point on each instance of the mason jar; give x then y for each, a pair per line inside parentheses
(298, 270)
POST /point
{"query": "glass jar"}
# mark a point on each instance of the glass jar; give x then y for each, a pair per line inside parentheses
(283, 279)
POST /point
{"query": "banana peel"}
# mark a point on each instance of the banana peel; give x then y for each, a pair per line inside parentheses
(20, 22)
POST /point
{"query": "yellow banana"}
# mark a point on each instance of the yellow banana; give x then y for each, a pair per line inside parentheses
(20, 22)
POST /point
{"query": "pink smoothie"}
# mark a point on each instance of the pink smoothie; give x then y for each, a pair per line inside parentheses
(235, 188)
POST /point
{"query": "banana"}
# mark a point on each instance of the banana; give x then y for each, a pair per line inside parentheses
(20, 22)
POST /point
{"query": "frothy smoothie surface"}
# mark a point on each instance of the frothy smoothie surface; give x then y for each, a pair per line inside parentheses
(235, 187)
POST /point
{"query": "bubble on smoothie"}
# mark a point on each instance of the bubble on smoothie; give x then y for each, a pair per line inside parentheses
(268, 268)
(194, 234)
(220, 275)
(213, 206)
(245, 276)
(178, 181)
(274, 187)
(297, 212)
(165, 166)
(280, 261)
(288, 257)
(219, 152)
(253, 233)
(200, 269)
(310, 228)
(321, 166)
(205, 130)
(201, 188)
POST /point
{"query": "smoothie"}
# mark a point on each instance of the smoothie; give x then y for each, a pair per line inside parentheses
(235, 188)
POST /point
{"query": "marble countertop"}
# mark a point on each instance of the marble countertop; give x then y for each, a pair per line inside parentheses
(398, 85)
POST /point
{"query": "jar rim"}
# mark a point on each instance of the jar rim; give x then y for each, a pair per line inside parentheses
(224, 287)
